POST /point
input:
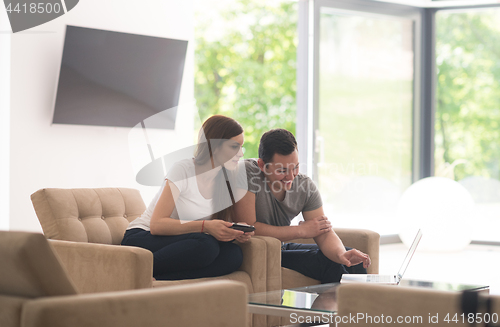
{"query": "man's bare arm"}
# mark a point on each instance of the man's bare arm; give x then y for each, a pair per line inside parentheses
(331, 245)
(245, 212)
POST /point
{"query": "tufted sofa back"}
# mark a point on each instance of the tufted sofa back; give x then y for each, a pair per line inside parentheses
(93, 215)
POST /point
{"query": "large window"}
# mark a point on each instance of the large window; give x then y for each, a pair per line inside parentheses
(378, 108)
(467, 124)
(364, 123)
(245, 57)
(387, 108)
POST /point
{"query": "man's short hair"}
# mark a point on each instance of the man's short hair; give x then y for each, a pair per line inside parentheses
(278, 141)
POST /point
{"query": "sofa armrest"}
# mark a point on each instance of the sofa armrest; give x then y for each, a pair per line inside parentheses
(365, 240)
(210, 304)
(273, 275)
(273, 261)
(254, 262)
(102, 268)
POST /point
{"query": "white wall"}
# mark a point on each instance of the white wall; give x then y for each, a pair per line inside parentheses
(4, 119)
(70, 156)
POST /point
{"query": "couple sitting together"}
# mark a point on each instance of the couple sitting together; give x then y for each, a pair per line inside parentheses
(188, 224)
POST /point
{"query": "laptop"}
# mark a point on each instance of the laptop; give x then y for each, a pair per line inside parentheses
(385, 279)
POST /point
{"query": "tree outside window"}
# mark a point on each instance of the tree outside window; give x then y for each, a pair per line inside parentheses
(245, 64)
(467, 124)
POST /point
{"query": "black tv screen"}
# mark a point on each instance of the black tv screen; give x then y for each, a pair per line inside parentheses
(118, 79)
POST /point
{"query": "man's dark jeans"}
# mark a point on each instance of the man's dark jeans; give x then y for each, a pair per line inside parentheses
(308, 260)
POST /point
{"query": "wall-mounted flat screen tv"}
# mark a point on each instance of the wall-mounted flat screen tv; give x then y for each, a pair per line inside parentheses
(118, 79)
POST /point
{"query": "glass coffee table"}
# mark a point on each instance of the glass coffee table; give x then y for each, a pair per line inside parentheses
(304, 301)
(311, 301)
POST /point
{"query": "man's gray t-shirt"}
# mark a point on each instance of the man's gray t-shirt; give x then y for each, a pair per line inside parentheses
(302, 196)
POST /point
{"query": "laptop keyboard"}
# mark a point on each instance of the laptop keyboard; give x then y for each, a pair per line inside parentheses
(379, 278)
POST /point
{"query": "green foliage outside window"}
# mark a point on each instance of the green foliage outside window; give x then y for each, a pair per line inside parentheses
(467, 124)
(248, 71)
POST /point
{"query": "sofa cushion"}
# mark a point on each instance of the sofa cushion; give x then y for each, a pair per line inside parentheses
(98, 215)
(10, 314)
(238, 276)
(292, 279)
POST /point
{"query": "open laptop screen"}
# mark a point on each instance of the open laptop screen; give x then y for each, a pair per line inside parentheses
(409, 255)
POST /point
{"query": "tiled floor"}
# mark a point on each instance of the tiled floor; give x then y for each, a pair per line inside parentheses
(477, 264)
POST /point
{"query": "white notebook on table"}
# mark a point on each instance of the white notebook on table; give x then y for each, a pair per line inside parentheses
(385, 279)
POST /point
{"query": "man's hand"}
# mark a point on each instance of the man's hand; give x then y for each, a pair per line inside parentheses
(354, 257)
(314, 227)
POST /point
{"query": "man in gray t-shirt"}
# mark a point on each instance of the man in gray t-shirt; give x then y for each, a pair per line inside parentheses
(303, 195)
(277, 193)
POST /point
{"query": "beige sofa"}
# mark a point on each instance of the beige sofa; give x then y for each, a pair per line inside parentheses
(94, 221)
(416, 306)
(37, 291)
(101, 215)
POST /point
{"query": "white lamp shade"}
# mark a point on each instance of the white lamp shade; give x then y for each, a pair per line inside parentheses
(442, 208)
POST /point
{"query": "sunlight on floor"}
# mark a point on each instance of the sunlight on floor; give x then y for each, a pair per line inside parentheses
(477, 264)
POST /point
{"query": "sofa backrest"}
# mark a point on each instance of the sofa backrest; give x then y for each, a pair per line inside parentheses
(94, 215)
(30, 268)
